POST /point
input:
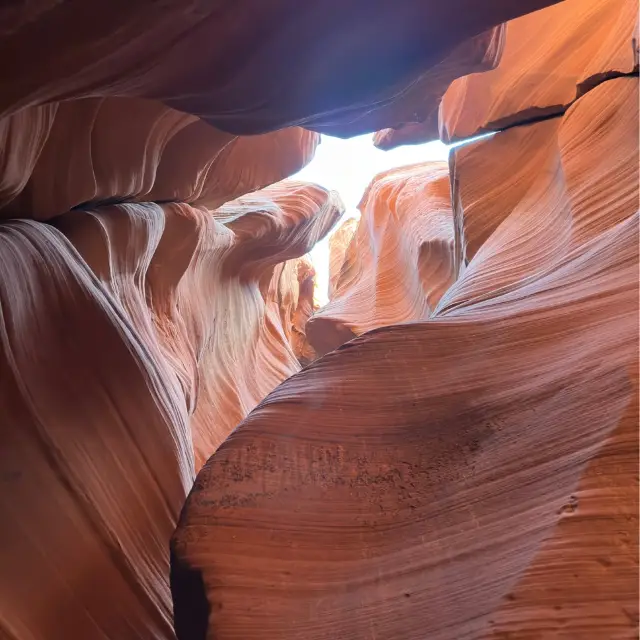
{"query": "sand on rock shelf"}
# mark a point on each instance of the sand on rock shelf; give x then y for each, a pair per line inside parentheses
(192, 447)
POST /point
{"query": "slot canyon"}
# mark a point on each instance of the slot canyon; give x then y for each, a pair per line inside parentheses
(194, 445)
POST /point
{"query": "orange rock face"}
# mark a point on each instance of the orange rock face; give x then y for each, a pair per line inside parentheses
(535, 67)
(118, 149)
(339, 251)
(168, 344)
(471, 470)
(400, 260)
(550, 58)
(416, 508)
(465, 467)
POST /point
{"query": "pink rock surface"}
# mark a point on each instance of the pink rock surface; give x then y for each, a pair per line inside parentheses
(550, 58)
(122, 149)
(400, 260)
(130, 350)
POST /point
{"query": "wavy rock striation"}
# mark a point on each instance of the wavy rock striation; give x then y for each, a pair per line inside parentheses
(400, 260)
(83, 153)
(340, 251)
(472, 472)
(415, 509)
(131, 348)
(550, 58)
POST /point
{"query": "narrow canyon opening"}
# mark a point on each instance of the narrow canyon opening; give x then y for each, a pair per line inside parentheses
(319, 320)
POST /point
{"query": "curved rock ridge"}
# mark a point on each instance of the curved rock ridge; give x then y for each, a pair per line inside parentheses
(96, 452)
(251, 351)
(400, 260)
(97, 150)
(104, 423)
(247, 68)
(295, 295)
(526, 197)
(417, 106)
(550, 58)
(416, 113)
(414, 482)
(339, 245)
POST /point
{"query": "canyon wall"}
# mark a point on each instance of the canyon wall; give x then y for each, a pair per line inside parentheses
(465, 466)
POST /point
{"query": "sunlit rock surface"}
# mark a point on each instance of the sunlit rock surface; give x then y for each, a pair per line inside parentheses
(93, 151)
(550, 58)
(400, 260)
(136, 336)
(406, 484)
(465, 468)
(470, 472)
(339, 251)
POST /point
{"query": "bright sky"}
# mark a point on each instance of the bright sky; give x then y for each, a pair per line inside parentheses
(347, 166)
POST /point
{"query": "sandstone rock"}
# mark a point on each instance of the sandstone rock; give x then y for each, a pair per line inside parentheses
(245, 69)
(96, 456)
(400, 260)
(294, 291)
(528, 196)
(120, 326)
(402, 485)
(123, 149)
(250, 351)
(22, 137)
(339, 244)
(550, 58)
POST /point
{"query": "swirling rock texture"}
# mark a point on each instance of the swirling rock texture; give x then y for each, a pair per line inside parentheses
(132, 339)
(547, 60)
(94, 151)
(339, 251)
(472, 471)
(465, 473)
(400, 260)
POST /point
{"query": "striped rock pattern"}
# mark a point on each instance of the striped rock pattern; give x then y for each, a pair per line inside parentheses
(470, 472)
(132, 345)
(400, 260)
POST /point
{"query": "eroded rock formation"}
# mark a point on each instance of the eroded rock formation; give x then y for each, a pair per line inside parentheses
(400, 260)
(93, 151)
(244, 69)
(547, 59)
(472, 471)
(468, 472)
(135, 335)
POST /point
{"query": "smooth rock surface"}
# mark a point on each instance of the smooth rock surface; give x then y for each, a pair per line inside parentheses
(130, 349)
(413, 508)
(245, 68)
(400, 260)
(550, 58)
(105, 150)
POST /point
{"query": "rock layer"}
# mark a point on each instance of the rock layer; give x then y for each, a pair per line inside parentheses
(528, 196)
(400, 260)
(94, 151)
(550, 58)
(122, 334)
(245, 69)
(472, 474)
(414, 509)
